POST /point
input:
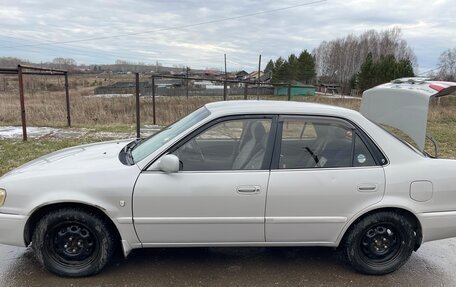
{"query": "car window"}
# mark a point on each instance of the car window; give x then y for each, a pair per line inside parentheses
(229, 145)
(151, 144)
(296, 129)
(362, 156)
(314, 143)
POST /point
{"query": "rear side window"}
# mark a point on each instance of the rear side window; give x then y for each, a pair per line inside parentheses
(321, 143)
(362, 156)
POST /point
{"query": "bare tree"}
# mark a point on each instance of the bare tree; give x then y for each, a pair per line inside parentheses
(339, 60)
(64, 63)
(447, 64)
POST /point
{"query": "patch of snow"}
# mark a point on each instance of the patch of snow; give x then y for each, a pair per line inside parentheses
(11, 132)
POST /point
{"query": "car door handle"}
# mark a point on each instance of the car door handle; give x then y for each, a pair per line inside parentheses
(367, 187)
(250, 189)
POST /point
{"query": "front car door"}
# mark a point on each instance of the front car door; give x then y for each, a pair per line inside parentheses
(325, 171)
(219, 194)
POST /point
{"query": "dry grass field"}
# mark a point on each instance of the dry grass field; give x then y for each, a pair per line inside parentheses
(45, 106)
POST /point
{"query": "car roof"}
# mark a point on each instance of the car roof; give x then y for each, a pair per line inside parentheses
(275, 107)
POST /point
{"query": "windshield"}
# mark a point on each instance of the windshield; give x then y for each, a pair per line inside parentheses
(151, 144)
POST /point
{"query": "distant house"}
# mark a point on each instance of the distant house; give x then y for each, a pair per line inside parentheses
(329, 88)
(241, 75)
(266, 77)
(208, 85)
(296, 89)
(212, 73)
(253, 76)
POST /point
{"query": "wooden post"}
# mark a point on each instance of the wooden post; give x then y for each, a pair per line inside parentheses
(22, 100)
(153, 101)
(138, 117)
(67, 96)
(289, 92)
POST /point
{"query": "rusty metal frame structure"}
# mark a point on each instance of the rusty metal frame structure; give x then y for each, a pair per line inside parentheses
(225, 81)
(29, 70)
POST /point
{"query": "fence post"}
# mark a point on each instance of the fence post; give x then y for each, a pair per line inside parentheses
(246, 90)
(67, 96)
(187, 84)
(22, 100)
(153, 101)
(289, 92)
(224, 91)
(138, 117)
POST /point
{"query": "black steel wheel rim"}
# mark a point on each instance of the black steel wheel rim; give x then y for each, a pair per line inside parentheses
(381, 243)
(72, 244)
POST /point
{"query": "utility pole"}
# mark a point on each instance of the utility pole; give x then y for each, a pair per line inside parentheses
(258, 84)
(225, 67)
(224, 83)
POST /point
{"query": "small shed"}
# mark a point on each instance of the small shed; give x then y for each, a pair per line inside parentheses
(296, 90)
(329, 88)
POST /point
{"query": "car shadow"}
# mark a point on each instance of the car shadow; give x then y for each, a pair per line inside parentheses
(278, 266)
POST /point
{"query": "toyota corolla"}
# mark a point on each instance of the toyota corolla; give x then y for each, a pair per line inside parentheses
(244, 173)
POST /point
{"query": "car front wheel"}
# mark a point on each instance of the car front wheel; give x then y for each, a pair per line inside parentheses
(73, 243)
(380, 243)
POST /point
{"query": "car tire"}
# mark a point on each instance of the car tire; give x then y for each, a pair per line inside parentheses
(380, 243)
(71, 242)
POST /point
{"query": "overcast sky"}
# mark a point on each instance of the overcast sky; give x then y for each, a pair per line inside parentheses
(29, 28)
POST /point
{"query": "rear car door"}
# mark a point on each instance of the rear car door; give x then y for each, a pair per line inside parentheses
(325, 170)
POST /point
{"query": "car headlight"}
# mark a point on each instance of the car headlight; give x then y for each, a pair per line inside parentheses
(2, 196)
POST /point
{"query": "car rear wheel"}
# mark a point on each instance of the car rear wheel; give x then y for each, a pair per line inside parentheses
(380, 243)
(73, 243)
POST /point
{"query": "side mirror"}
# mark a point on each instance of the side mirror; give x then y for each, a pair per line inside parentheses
(169, 163)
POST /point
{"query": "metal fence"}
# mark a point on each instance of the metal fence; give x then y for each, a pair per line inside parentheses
(230, 87)
(22, 70)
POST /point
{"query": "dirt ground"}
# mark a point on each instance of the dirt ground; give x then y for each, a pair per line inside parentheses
(432, 265)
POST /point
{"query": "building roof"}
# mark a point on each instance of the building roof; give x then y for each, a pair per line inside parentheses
(241, 73)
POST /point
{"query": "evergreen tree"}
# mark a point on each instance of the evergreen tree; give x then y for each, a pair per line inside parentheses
(366, 73)
(386, 69)
(292, 68)
(306, 68)
(278, 74)
(269, 67)
(405, 68)
(300, 69)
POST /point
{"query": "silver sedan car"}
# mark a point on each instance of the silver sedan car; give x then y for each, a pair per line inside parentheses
(244, 173)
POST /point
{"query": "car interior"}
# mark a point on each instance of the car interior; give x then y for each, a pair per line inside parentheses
(241, 145)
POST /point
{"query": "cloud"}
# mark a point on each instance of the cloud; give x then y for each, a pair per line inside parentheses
(428, 28)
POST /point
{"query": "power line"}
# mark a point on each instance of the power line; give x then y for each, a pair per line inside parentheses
(431, 70)
(168, 28)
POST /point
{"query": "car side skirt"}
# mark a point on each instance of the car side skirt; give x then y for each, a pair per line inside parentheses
(240, 244)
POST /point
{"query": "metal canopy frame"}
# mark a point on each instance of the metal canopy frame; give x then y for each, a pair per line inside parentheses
(29, 70)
